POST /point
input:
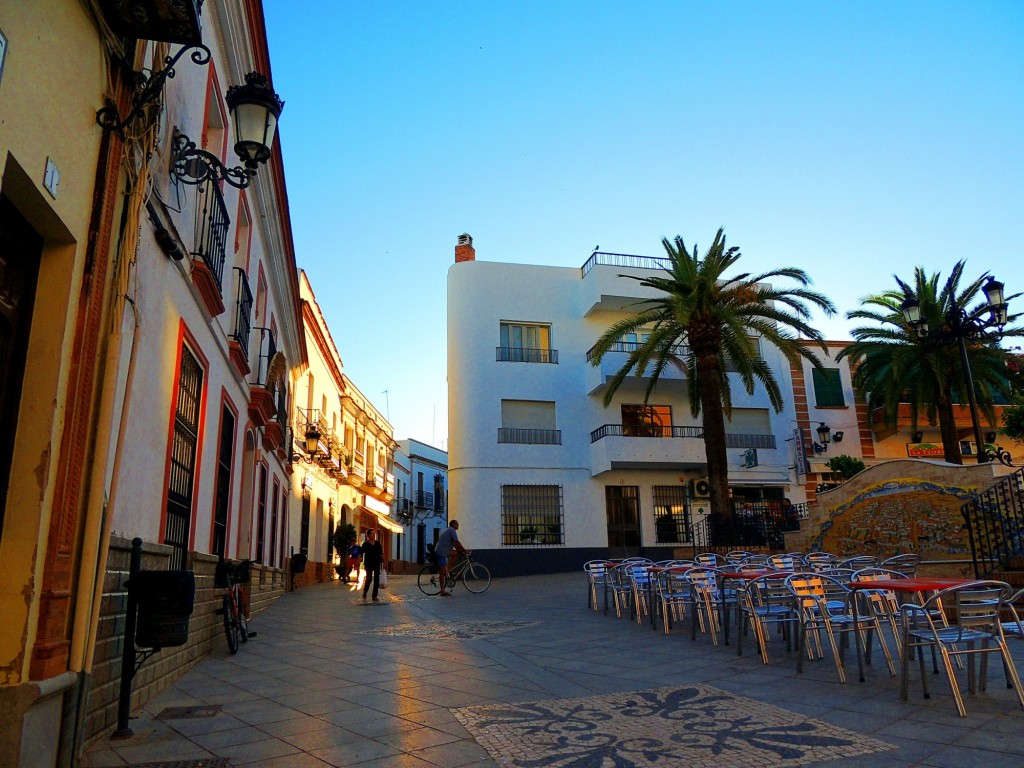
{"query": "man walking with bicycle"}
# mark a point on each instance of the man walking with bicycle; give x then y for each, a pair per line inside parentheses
(447, 543)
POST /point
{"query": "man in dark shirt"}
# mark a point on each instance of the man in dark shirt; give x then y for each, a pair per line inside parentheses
(373, 555)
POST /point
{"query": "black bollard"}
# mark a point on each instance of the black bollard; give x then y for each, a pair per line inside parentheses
(124, 703)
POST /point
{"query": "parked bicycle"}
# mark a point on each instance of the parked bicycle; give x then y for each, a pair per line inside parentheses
(234, 606)
(474, 575)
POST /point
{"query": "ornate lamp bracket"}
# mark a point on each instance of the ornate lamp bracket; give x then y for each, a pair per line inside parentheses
(191, 165)
(150, 89)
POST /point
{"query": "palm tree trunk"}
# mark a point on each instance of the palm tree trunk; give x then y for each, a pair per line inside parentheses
(714, 437)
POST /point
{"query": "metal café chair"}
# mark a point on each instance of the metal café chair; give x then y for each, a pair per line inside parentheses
(859, 561)
(765, 602)
(819, 561)
(597, 573)
(672, 593)
(708, 602)
(978, 630)
(1014, 626)
(737, 556)
(709, 560)
(906, 564)
(816, 619)
(787, 562)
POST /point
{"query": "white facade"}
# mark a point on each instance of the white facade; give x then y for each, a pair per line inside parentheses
(536, 418)
(421, 496)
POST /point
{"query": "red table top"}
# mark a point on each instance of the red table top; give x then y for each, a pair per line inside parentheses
(910, 585)
(751, 575)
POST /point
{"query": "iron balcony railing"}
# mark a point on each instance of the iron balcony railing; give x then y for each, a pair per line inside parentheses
(644, 430)
(243, 310)
(530, 436)
(749, 441)
(995, 525)
(752, 524)
(525, 355)
(679, 350)
(599, 258)
(267, 350)
(211, 228)
(423, 499)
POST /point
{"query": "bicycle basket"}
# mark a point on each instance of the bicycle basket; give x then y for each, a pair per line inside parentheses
(243, 571)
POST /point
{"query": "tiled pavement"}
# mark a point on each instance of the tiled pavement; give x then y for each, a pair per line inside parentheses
(524, 675)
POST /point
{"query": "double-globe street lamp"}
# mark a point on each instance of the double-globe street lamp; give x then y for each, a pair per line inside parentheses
(959, 324)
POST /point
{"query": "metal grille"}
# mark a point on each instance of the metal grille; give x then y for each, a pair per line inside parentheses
(525, 355)
(531, 515)
(223, 492)
(671, 515)
(273, 525)
(267, 350)
(183, 457)
(243, 311)
(600, 258)
(304, 529)
(995, 524)
(679, 350)
(530, 436)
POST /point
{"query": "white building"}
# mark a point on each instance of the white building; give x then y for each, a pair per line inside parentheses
(543, 477)
(421, 497)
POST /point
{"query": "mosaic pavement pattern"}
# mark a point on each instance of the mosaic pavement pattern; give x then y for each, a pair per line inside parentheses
(695, 726)
(456, 630)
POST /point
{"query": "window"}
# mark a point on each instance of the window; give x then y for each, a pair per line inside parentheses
(647, 420)
(273, 523)
(304, 530)
(526, 343)
(530, 422)
(531, 515)
(261, 515)
(671, 517)
(222, 494)
(828, 388)
(184, 444)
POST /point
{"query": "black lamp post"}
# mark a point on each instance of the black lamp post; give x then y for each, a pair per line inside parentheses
(255, 109)
(959, 325)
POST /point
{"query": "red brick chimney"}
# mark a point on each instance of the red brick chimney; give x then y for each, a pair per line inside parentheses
(464, 250)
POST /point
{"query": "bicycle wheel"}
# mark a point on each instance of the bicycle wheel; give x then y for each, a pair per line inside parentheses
(230, 627)
(476, 577)
(429, 581)
(243, 625)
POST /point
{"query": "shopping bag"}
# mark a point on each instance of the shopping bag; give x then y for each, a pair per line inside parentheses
(383, 579)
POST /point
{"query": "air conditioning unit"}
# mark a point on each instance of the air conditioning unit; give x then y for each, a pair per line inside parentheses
(700, 488)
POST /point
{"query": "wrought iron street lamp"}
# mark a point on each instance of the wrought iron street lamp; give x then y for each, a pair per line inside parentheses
(254, 109)
(959, 324)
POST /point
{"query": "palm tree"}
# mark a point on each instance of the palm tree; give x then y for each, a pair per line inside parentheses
(718, 319)
(892, 364)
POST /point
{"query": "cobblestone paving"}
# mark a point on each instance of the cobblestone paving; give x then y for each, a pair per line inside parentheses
(455, 630)
(694, 726)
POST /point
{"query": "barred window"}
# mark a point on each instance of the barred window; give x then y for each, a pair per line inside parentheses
(531, 515)
(828, 388)
(671, 517)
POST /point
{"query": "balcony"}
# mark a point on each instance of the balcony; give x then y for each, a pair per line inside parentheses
(606, 290)
(597, 376)
(262, 400)
(429, 501)
(238, 342)
(525, 355)
(209, 245)
(618, 446)
(530, 436)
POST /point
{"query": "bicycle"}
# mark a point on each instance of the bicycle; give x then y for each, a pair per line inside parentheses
(234, 607)
(473, 575)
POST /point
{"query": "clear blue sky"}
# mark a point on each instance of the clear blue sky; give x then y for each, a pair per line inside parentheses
(852, 139)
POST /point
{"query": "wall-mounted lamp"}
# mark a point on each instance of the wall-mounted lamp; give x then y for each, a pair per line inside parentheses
(255, 109)
(312, 439)
(838, 436)
(824, 436)
(917, 437)
(990, 437)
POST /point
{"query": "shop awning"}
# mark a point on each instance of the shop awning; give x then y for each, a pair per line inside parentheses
(384, 520)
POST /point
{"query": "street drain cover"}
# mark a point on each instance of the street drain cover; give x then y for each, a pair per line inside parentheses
(203, 762)
(182, 713)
